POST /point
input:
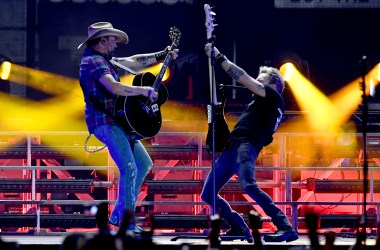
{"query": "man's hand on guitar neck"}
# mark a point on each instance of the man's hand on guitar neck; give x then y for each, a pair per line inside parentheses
(208, 48)
(160, 56)
(256, 86)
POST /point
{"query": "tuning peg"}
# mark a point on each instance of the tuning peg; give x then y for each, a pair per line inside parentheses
(212, 12)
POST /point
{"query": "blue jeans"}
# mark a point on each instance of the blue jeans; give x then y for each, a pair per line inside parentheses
(240, 158)
(133, 163)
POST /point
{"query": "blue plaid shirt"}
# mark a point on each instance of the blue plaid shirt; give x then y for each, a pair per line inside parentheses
(99, 101)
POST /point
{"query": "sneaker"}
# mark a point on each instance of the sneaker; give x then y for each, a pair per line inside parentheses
(282, 235)
(135, 229)
(138, 230)
(239, 232)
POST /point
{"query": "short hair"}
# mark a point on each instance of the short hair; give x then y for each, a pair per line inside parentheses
(276, 77)
(95, 41)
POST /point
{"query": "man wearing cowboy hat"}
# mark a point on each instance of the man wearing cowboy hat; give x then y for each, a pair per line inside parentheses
(101, 85)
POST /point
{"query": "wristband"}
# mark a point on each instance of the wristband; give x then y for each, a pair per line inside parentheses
(220, 58)
(149, 93)
(160, 55)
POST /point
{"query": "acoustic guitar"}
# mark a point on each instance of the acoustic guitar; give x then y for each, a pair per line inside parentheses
(140, 117)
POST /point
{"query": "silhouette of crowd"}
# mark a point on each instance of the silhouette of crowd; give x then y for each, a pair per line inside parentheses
(125, 239)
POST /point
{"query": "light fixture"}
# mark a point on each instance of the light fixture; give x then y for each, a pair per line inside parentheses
(5, 67)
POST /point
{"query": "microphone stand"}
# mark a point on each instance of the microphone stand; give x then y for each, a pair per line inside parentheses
(364, 107)
(213, 90)
(212, 61)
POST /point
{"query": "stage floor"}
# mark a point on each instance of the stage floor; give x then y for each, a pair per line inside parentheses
(166, 241)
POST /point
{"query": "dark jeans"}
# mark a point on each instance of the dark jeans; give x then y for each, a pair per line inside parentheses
(240, 158)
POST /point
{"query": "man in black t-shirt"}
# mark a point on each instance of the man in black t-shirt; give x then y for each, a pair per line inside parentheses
(252, 132)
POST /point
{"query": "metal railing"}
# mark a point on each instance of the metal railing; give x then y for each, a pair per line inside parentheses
(284, 184)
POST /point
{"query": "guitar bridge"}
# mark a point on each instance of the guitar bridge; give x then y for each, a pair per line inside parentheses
(150, 111)
(144, 107)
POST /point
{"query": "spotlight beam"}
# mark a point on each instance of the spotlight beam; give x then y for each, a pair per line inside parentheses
(348, 98)
(312, 100)
(328, 114)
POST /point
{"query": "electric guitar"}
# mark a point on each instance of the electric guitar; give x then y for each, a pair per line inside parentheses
(221, 131)
(140, 117)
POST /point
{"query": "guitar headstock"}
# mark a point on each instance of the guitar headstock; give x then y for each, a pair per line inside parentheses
(175, 35)
(209, 23)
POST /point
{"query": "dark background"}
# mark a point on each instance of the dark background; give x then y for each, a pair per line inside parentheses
(326, 43)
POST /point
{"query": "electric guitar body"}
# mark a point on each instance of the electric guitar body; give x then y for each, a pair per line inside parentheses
(221, 130)
(218, 131)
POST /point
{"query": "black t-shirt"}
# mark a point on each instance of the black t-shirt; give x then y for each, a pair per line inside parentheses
(260, 119)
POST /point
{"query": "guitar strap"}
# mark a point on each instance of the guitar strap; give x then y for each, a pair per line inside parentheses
(122, 66)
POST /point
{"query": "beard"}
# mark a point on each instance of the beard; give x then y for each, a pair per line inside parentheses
(110, 55)
(110, 52)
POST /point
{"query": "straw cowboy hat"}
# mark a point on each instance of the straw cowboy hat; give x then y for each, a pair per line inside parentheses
(104, 29)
